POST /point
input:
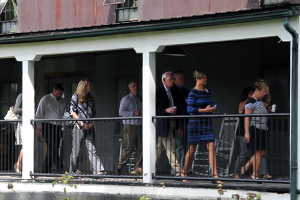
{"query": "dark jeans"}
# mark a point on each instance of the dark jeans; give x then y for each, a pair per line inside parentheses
(52, 135)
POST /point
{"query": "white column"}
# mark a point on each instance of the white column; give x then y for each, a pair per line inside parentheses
(28, 111)
(149, 131)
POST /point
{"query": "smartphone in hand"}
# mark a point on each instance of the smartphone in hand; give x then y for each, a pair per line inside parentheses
(215, 106)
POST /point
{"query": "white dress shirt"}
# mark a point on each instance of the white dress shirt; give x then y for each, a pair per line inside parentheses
(50, 108)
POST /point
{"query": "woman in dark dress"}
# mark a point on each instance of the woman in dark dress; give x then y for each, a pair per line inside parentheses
(200, 130)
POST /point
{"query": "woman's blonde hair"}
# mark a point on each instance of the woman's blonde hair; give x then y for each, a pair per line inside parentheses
(198, 74)
(81, 91)
(261, 84)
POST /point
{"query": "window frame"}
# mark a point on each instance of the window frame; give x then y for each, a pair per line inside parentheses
(12, 86)
(127, 7)
(9, 11)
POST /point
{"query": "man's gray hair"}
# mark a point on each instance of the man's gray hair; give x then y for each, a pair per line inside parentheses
(129, 84)
(164, 75)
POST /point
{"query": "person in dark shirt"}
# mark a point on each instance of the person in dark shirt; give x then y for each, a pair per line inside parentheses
(180, 95)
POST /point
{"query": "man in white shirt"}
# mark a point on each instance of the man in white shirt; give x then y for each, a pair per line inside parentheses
(51, 106)
(131, 106)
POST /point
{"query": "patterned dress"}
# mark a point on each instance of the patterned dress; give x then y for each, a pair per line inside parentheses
(200, 130)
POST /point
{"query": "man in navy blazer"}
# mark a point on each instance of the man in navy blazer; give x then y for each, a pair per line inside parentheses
(165, 128)
(180, 94)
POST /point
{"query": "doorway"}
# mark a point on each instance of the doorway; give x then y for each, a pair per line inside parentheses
(69, 81)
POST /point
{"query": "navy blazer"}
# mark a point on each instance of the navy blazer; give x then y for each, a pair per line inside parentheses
(181, 99)
(162, 102)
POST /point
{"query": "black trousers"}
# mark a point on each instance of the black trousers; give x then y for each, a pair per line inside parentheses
(52, 135)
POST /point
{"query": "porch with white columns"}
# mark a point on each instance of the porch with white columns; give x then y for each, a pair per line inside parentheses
(28, 109)
(142, 44)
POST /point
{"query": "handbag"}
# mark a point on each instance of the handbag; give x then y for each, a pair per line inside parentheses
(67, 115)
(11, 115)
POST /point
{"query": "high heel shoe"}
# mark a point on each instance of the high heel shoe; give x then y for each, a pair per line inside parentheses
(216, 182)
(185, 175)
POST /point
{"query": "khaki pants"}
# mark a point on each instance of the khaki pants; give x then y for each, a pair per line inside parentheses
(133, 139)
(168, 144)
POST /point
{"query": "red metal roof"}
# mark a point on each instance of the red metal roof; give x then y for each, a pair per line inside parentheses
(36, 15)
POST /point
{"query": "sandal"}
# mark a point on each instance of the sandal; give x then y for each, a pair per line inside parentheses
(256, 178)
(268, 177)
(216, 182)
(185, 175)
(102, 172)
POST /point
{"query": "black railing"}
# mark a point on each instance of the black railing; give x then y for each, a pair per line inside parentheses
(232, 152)
(110, 142)
(9, 150)
(107, 135)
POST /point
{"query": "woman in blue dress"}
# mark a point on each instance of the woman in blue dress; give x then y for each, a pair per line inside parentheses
(200, 130)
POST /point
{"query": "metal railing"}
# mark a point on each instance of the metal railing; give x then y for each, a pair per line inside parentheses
(229, 143)
(110, 141)
(9, 151)
(107, 136)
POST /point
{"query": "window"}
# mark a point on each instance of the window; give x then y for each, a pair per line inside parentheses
(8, 10)
(8, 98)
(108, 2)
(127, 11)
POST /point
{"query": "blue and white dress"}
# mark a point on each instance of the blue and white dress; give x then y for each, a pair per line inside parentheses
(200, 130)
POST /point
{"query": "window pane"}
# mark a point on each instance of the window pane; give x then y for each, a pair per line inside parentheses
(127, 11)
(126, 14)
(9, 93)
(2, 5)
(13, 92)
(120, 15)
(5, 93)
(10, 11)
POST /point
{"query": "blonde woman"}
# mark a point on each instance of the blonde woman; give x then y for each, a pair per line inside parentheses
(256, 127)
(200, 130)
(83, 106)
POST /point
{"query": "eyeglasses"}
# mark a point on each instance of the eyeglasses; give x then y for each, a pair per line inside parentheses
(133, 86)
(172, 79)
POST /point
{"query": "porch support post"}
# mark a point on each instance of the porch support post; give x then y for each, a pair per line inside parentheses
(149, 132)
(294, 110)
(28, 108)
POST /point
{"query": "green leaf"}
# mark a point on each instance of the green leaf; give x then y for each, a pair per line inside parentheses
(65, 190)
(75, 186)
(65, 181)
(54, 183)
(71, 185)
